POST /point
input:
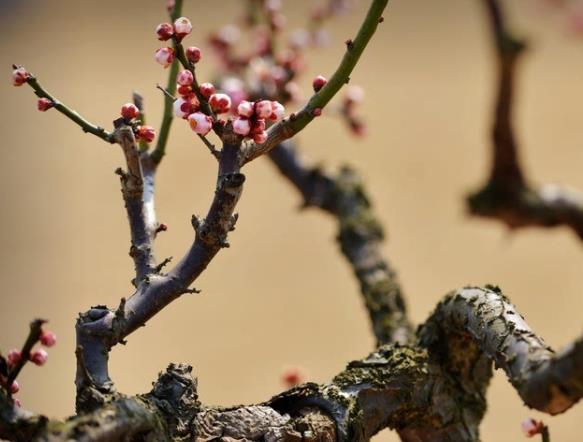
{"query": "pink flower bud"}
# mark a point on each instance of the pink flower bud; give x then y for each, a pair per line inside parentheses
(246, 108)
(193, 54)
(44, 104)
(129, 111)
(182, 107)
(19, 76)
(48, 338)
(258, 126)
(184, 90)
(207, 89)
(532, 427)
(13, 357)
(200, 123)
(263, 109)
(241, 126)
(317, 112)
(39, 357)
(165, 31)
(277, 111)
(260, 138)
(146, 133)
(182, 27)
(185, 78)
(319, 82)
(14, 388)
(292, 377)
(220, 103)
(165, 56)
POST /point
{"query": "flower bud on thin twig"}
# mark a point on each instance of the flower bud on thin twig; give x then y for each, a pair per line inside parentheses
(185, 78)
(48, 338)
(241, 126)
(44, 104)
(165, 31)
(200, 123)
(129, 111)
(39, 357)
(319, 82)
(146, 133)
(193, 54)
(182, 27)
(165, 56)
(19, 76)
(220, 103)
(13, 357)
(207, 89)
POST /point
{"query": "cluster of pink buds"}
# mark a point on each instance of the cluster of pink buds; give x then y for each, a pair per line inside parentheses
(129, 113)
(44, 104)
(252, 116)
(178, 30)
(187, 105)
(19, 76)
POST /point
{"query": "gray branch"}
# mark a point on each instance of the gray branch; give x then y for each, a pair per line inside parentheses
(360, 237)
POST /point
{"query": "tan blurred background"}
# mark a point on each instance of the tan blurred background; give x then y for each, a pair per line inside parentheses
(281, 295)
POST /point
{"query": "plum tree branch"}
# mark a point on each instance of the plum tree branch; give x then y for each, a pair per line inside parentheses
(507, 196)
(290, 126)
(360, 236)
(85, 125)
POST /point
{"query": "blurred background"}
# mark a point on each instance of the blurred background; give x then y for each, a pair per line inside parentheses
(282, 295)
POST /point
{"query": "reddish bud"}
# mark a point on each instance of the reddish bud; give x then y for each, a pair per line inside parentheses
(258, 126)
(193, 54)
(39, 357)
(263, 109)
(241, 126)
(44, 104)
(184, 90)
(14, 388)
(532, 427)
(129, 111)
(165, 31)
(277, 111)
(182, 27)
(48, 338)
(161, 228)
(260, 138)
(246, 108)
(146, 133)
(19, 76)
(200, 123)
(165, 56)
(207, 89)
(220, 103)
(292, 377)
(183, 107)
(185, 78)
(317, 112)
(13, 357)
(319, 82)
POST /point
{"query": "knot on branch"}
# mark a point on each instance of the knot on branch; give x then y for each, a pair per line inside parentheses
(175, 394)
(230, 182)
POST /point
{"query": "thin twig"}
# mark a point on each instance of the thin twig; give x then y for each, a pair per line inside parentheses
(85, 125)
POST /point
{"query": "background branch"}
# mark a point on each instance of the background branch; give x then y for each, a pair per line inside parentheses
(360, 237)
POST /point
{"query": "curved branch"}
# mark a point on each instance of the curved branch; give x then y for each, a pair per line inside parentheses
(360, 238)
(288, 127)
(507, 196)
(546, 381)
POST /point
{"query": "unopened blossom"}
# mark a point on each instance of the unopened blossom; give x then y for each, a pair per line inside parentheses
(129, 111)
(260, 138)
(220, 103)
(183, 107)
(165, 31)
(532, 427)
(44, 104)
(317, 112)
(185, 78)
(14, 388)
(292, 377)
(258, 126)
(13, 357)
(263, 109)
(241, 126)
(146, 133)
(246, 108)
(319, 82)
(207, 89)
(183, 90)
(165, 56)
(39, 357)
(277, 111)
(48, 338)
(19, 76)
(193, 54)
(182, 27)
(200, 123)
